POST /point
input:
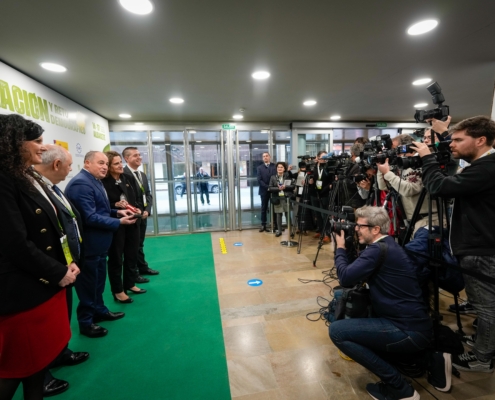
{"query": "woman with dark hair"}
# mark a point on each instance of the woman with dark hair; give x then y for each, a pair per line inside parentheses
(279, 187)
(34, 267)
(123, 252)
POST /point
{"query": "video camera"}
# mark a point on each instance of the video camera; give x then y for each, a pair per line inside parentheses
(440, 113)
(310, 162)
(441, 150)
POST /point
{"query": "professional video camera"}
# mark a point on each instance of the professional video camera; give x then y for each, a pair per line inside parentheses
(310, 162)
(441, 112)
(378, 150)
(336, 164)
(441, 150)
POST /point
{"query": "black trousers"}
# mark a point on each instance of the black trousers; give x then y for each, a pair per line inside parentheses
(122, 258)
(142, 265)
(204, 191)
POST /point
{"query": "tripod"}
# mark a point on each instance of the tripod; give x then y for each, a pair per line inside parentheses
(303, 211)
(339, 195)
(394, 197)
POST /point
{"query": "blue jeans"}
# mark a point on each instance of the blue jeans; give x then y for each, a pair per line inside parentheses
(481, 296)
(363, 339)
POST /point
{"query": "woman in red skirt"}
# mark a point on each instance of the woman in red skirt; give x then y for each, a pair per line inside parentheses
(34, 324)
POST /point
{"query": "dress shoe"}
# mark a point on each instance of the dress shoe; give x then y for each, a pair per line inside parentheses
(263, 228)
(75, 358)
(93, 331)
(126, 301)
(109, 316)
(140, 279)
(278, 234)
(149, 271)
(140, 291)
(54, 387)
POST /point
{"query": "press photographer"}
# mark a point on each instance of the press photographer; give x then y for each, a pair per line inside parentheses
(319, 188)
(400, 322)
(408, 184)
(472, 236)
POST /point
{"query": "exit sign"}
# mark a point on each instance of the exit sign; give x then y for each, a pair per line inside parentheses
(228, 127)
(381, 124)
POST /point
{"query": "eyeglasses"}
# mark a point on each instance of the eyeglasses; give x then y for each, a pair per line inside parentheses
(359, 226)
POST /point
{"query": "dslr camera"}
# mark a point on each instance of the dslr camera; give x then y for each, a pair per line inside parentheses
(441, 112)
(348, 225)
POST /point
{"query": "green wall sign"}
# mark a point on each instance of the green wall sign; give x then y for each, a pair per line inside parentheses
(228, 127)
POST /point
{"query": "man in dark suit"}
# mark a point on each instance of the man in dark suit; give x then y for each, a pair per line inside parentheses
(99, 222)
(133, 158)
(56, 165)
(264, 172)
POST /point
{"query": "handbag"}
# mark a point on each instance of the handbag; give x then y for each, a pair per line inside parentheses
(275, 199)
(354, 302)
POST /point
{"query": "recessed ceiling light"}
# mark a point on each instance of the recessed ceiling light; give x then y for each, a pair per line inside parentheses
(335, 117)
(422, 27)
(265, 131)
(198, 141)
(260, 75)
(140, 7)
(125, 115)
(192, 131)
(422, 81)
(420, 105)
(138, 123)
(309, 102)
(53, 67)
(237, 116)
(176, 100)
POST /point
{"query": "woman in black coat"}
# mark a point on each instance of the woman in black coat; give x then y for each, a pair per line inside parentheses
(34, 323)
(123, 252)
(279, 191)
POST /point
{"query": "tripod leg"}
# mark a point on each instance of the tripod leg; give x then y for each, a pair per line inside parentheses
(457, 314)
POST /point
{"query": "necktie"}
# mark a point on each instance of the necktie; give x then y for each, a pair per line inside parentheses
(138, 176)
(57, 190)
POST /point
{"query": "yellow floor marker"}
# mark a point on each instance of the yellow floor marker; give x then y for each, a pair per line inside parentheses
(222, 246)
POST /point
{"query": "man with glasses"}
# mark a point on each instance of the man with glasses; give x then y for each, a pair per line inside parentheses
(401, 325)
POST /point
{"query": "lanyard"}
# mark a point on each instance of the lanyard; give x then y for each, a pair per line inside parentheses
(320, 173)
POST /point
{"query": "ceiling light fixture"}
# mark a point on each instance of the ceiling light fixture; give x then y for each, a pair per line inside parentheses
(125, 115)
(422, 27)
(237, 116)
(192, 132)
(198, 141)
(309, 103)
(53, 67)
(139, 123)
(140, 7)
(176, 100)
(335, 117)
(420, 105)
(260, 75)
(422, 81)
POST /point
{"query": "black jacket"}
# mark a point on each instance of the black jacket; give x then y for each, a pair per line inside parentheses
(273, 185)
(139, 194)
(473, 217)
(115, 190)
(355, 200)
(32, 262)
(264, 174)
(326, 179)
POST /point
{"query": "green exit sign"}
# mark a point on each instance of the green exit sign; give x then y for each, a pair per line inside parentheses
(228, 127)
(381, 124)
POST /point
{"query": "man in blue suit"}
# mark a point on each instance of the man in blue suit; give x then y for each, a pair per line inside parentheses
(99, 222)
(264, 172)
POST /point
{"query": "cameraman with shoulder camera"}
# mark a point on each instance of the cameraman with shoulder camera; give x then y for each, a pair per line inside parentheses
(472, 237)
(400, 325)
(409, 185)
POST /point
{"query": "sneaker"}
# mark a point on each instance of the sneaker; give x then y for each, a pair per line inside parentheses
(440, 371)
(317, 235)
(469, 362)
(464, 308)
(382, 391)
(468, 340)
(475, 323)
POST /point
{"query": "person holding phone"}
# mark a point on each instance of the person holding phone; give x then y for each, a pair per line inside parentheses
(123, 252)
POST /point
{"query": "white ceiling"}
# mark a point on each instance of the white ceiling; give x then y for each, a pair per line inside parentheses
(353, 57)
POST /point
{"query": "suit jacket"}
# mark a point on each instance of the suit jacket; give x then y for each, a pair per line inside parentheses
(115, 190)
(32, 262)
(98, 219)
(264, 174)
(139, 193)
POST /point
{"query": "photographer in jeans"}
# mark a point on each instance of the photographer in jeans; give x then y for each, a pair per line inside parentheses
(472, 236)
(401, 325)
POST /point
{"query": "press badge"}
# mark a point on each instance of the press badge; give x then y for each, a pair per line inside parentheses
(281, 193)
(318, 184)
(65, 248)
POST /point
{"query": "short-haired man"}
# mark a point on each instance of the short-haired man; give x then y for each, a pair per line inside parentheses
(56, 164)
(263, 173)
(99, 222)
(401, 325)
(472, 236)
(144, 199)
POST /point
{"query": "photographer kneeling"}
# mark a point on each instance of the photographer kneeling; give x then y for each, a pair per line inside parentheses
(401, 325)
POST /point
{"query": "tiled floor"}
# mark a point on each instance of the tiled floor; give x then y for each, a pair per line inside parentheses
(273, 351)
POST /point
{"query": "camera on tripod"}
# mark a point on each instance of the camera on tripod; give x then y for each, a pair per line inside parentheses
(441, 112)
(441, 150)
(310, 162)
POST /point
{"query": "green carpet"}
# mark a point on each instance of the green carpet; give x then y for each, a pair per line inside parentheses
(170, 343)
